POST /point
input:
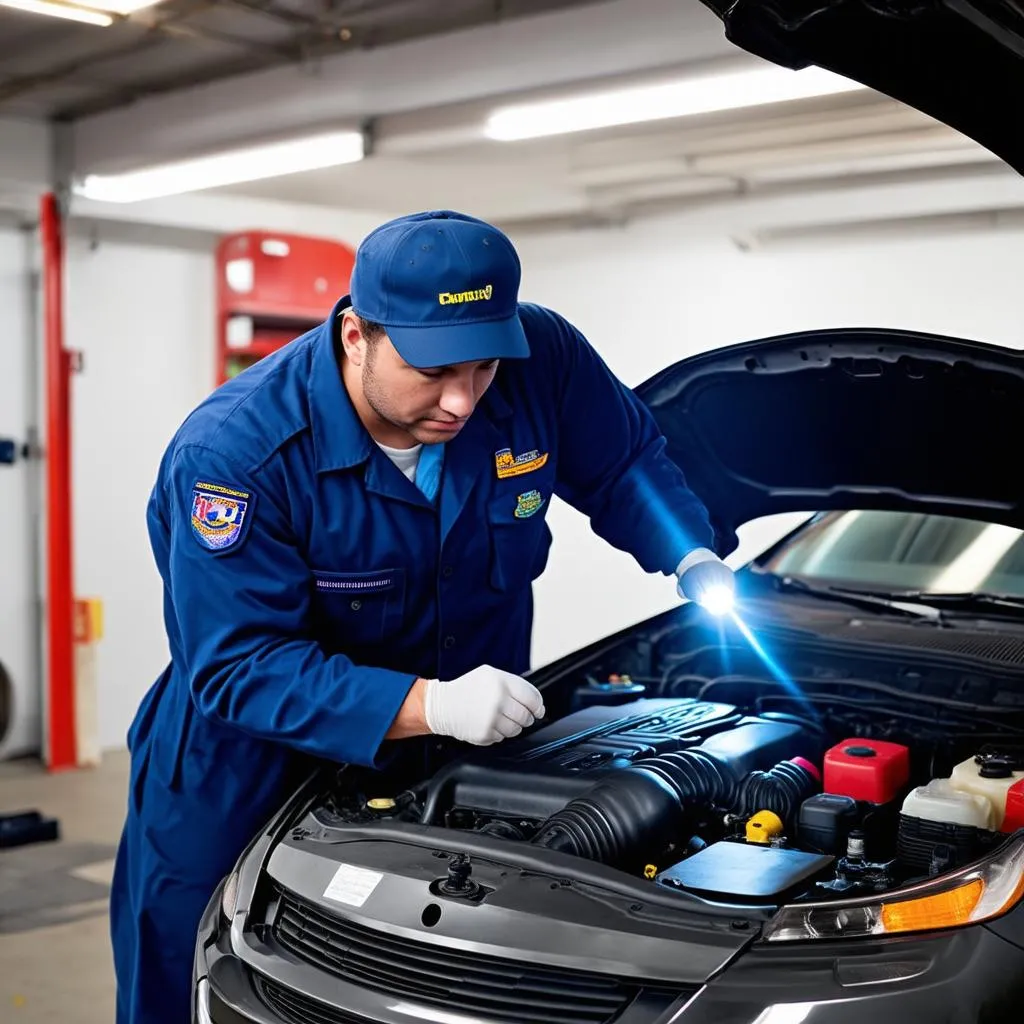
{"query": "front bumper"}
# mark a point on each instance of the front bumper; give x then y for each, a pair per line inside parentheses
(971, 976)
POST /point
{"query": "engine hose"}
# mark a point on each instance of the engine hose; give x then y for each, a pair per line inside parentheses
(638, 809)
(781, 789)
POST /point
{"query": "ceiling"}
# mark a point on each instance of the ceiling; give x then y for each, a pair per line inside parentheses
(611, 175)
(191, 76)
(64, 70)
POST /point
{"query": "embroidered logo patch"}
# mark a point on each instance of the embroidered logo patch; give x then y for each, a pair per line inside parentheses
(508, 464)
(527, 504)
(217, 515)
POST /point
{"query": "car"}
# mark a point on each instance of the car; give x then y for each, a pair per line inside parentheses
(808, 809)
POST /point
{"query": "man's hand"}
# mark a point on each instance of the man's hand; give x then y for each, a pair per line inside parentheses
(484, 706)
(703, 577)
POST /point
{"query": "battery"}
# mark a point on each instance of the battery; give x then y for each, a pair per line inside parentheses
(745, 870)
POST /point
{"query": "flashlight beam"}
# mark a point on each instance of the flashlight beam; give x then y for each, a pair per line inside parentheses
(771, 664)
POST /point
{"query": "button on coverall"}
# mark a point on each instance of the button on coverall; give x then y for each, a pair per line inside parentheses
(307, 583)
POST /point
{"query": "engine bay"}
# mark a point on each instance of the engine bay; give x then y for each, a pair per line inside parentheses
(780, 789)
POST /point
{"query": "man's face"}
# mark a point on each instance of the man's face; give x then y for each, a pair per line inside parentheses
(430, 406)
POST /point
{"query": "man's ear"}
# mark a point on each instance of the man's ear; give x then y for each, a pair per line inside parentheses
(353, 343)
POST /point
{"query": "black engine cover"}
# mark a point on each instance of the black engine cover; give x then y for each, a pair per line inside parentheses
(536, 775)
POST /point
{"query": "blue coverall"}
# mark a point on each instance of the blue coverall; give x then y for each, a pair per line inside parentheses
(335, 584)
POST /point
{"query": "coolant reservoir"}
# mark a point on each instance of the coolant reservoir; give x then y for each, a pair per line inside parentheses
(992, 780)
(940, 801)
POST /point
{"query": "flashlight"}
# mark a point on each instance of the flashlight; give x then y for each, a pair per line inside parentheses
(719, 600)
(707, 581)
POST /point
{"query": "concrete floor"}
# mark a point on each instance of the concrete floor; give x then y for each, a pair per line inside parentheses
(55, 961)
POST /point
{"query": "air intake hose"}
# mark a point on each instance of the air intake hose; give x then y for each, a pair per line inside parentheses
(782, 789)
(634, 812)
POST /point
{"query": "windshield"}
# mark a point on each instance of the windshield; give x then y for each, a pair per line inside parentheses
(905, 551)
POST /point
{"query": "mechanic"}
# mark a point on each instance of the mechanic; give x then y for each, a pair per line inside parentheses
(347, 535)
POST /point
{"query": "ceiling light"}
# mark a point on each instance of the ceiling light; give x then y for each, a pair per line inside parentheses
(119, 6)
(725, 91)
(231, 168)
(55, 10)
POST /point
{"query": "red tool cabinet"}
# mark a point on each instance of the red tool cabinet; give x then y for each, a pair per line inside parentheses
(272, 287)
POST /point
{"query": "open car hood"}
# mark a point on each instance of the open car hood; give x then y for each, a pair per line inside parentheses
(960, 61)
(847, 419)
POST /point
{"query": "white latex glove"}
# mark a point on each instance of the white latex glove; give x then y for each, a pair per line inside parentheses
(702, 571)
(484, 706)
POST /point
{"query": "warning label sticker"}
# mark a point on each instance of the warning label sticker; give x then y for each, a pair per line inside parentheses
(352, 885)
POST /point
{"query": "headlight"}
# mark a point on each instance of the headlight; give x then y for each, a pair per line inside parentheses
(229, 897)
(977, 893)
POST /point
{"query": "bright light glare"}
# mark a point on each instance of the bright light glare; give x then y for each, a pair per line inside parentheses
(230, 168)
(65, 11)
(718, 600)
(785, 1013)
(428, 1013)
(969, 570)
(726, 91)
(120, 6)
(776, 670)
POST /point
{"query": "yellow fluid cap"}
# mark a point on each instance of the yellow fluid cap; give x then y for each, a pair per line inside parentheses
(380, 803)
(763, 827)
(650, 870)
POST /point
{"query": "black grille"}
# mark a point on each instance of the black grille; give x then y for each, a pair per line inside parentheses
(294, 1008)
(489, 987)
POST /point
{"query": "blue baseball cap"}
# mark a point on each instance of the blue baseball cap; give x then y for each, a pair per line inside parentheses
(446, 287)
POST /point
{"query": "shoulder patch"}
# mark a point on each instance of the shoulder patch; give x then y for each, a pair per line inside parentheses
(218, 515)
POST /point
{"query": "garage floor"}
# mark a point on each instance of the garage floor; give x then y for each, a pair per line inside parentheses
(55, 961)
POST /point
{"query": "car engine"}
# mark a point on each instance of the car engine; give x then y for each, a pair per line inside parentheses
(638, 786)
(830, 786)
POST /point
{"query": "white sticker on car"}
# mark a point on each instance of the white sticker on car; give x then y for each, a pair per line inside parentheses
(352, 885)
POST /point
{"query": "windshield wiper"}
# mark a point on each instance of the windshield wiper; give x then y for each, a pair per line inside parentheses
(868, 599)
(966, 599)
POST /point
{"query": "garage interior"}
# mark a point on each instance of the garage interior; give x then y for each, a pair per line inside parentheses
(659, 237)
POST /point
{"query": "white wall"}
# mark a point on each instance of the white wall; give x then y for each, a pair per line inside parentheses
(18, 507)
(658, 291)
(25, 159)
(143, 318)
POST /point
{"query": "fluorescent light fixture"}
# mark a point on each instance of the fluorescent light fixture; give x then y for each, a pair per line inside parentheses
(634, 104)
(65, 11)
(119, 6)
(229, 168)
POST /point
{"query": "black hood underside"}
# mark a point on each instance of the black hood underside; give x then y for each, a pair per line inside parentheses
(847, 419)
(960, 61)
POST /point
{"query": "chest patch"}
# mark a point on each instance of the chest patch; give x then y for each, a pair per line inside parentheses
(218, 514)
(527, 504)
(508, 464)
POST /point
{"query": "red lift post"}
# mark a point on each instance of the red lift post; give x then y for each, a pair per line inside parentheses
(60, 745)
(271, 288)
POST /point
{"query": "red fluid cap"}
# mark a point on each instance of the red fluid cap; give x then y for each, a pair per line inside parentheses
(1014, 808)
(870, 770)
